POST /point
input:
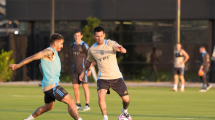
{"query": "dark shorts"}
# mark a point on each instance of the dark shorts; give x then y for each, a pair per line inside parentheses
(178, 71)
(55, 93)
(117, 85)
(75, 79)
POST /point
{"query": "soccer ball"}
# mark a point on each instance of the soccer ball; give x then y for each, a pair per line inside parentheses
(122, 117)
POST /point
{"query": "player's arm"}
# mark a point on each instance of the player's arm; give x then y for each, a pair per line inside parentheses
(87, 67)
(121, 49)
(42, 54)
(186, 56)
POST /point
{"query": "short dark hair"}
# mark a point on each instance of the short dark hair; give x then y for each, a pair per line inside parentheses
(98, 29)
(55, 36)
(77, 31)
(202, 46)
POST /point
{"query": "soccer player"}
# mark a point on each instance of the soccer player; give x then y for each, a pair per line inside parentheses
(153, 60)
(51, 67)
(180, 58)
(205, 64)
(104, 53)
(80, 50)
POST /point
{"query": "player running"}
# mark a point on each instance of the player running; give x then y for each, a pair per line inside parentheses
(205, 64)
(51, 67)
(80, 50)
(104, 53)
(180, 58)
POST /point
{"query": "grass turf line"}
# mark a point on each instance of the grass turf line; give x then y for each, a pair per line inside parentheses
(147, 103)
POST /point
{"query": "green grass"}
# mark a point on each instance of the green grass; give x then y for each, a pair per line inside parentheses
(147, 103)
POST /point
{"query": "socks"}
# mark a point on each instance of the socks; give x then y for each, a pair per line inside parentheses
(78, 104)
(79, 119)
(125, 111)
(175, 87)
(105, 117)
(87, 105)
(182, 86)
(30, 117)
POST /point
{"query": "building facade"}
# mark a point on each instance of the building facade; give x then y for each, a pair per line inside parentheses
(139, 25)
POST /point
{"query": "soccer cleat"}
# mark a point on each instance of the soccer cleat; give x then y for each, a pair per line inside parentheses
(202, 90)
(125, 113)
(78, 107)
(209, 87)
(175, 90)
(86, 108)
(182, 90)
(105, 117)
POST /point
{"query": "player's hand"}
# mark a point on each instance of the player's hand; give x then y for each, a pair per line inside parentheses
(39, 84)
(13, 66)
(119, 48)
(81, 76)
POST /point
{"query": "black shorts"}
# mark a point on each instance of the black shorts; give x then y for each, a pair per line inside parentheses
(117, 85)
(178, 71)
(75, 79)
(55, 93)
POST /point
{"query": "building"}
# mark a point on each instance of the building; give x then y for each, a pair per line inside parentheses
(138, 25)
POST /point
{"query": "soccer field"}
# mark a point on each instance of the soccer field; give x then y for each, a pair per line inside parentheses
(147, 103)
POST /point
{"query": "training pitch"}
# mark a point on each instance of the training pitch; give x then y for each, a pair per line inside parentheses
(146, 103)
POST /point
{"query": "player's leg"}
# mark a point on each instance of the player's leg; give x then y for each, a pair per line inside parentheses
(71, 107)
(175, 87)
(125, 103)
(155, 71)
(87, 96)
(119, 86)
(182, 82)
(102, 88)
(102, 103)
(87, 92)
(208, 86)
(62, 95)
(181, 76)
(39, 111)
(76, 83)
(49, 100)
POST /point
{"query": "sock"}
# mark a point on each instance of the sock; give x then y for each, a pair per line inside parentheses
(105, 117)
(78, 104)
(125, 111)
(175, 86)
(87, 105)
(79, 119)
(30, 117)
(182, 86)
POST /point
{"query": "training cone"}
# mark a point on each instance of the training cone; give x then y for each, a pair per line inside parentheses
(201, 73)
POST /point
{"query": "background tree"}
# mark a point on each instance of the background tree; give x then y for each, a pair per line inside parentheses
(92, 22)
(5, 61)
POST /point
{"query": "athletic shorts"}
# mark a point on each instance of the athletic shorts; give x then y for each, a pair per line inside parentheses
(75, 79)
(117, 85)
(178, 71)
(55, 93)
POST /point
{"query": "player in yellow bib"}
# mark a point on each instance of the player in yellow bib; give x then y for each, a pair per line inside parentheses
(109, 75)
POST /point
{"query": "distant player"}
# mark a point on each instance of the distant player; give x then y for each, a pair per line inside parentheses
(180, 58)
(51, 67)
(104, 53)
(205, 64)
(80, 51)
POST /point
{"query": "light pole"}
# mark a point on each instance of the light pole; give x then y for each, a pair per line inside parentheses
(178, 21)
(52, 17)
